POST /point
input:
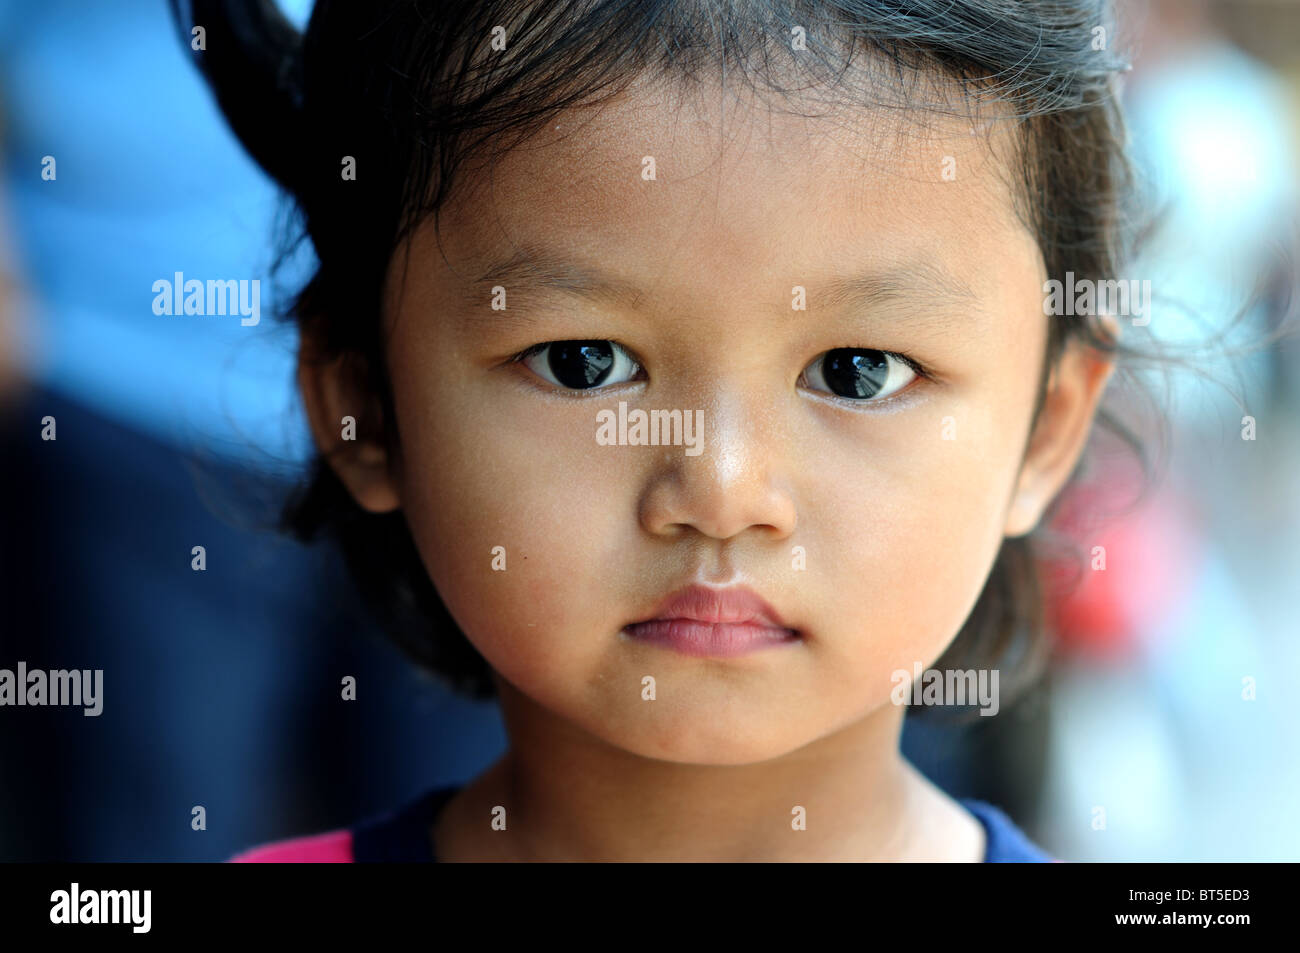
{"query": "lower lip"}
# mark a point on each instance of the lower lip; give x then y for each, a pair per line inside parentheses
(711, 639)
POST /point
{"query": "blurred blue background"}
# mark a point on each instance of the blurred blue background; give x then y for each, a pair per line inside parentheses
(222, 686)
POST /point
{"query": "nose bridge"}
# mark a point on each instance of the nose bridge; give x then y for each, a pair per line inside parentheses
(739, 435)
(737, 480)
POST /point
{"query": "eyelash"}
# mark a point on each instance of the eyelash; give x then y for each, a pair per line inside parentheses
(921, 371)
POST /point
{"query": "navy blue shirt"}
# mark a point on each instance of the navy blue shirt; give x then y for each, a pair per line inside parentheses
(402, 835)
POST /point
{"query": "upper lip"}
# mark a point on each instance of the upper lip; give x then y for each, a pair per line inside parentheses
(734, 604)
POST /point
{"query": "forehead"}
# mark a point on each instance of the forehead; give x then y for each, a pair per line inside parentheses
(713, 191)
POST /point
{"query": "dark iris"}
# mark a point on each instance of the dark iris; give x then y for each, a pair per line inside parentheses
(580, 364)
(852, 372)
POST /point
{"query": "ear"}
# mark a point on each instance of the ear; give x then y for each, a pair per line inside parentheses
(1074, 391)
(335, 389)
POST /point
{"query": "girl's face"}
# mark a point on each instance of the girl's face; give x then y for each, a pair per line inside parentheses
(868, 523)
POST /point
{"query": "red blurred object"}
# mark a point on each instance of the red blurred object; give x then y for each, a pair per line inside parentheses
(1149, 553)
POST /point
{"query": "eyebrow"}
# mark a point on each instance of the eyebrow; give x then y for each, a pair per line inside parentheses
(914, 279)
(543, 270)
(534, 267)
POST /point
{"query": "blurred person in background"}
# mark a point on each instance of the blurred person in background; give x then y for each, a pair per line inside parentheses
(1172, 735)
(117, 173)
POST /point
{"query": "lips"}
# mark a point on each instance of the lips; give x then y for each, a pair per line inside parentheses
(719, 623)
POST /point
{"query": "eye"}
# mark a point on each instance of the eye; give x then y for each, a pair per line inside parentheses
(580, 365)
(856, 373)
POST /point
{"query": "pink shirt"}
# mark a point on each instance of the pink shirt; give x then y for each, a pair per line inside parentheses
(332, 847)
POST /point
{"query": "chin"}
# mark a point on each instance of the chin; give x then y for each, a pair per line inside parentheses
(719, 744)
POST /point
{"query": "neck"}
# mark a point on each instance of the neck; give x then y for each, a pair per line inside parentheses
(574, 797)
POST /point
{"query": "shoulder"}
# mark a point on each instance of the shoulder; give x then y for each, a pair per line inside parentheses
(399, 834)
(1007, 843)
(331, 847)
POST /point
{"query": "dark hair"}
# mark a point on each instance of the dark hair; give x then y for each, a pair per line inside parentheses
(411, 90)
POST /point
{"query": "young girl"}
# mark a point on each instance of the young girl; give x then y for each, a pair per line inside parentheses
(682, 373)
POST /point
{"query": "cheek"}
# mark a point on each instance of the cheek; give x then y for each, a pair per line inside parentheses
(910, 558)
(518, 526)
(910, 533)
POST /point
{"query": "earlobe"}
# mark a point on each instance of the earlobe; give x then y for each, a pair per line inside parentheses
(1074, 392)
(346, 424)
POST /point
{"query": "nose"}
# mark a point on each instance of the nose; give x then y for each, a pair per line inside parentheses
(735, 484)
